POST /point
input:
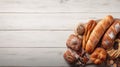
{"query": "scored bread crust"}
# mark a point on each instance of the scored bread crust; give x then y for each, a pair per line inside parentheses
(110, 35)
(97, 33)
(88, 29)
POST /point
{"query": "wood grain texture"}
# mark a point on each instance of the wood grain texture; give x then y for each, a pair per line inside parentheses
(59, 6)
(34, 32)
(52, 57)
(47, 21)
(33, 38)
(32, 57)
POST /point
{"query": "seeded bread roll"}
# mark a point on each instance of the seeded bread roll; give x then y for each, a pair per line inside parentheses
(110, 35)
(98, 32)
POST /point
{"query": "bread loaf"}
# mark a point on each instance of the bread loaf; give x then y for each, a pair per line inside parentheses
(110, 35)
(98, 32)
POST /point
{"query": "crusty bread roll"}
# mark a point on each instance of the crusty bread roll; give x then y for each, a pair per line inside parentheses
(108, 38)
(79, 29)
(97, 33)
(98, 56)
(74, 42)
(69, 57)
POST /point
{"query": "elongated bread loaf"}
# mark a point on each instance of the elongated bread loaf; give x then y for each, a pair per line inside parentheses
(97, 33)
(108, 38)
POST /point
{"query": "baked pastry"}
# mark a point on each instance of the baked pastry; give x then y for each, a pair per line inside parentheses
(79, 29)
(88, 29)
(98, 32)
(69, 57)
(74, 42)
(114, 51)
(110, 35)
(98, 56)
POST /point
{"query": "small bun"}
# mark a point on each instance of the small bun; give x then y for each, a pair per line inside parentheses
(69, 57)
(98, 56)
(74, 42)
(79, 29)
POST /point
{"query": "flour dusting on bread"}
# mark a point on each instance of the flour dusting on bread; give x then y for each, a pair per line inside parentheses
(117, 27)
(111, 35)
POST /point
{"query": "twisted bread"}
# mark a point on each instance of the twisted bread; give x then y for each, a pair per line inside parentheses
(110, 35)
(97, 33)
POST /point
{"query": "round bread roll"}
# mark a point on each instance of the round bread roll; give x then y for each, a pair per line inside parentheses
(79, 29)
(69, 57)
(98, 56)
(74, 42)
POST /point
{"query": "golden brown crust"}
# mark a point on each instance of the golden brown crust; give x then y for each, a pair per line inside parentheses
(98, 56)
(79, 29)
(88, 29)
(74, 42)
(110, 35)
(99, 30)
(69, 57)
(114, 53)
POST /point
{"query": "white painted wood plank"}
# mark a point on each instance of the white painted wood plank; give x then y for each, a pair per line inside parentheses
(34, 57)
(47, 21)
(34, 38)
(59, 6)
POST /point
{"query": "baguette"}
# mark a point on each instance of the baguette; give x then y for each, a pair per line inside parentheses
(88, 29)
(98, 32)
(110, 35)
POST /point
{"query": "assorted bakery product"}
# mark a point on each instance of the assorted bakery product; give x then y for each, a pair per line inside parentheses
(110, 35)
(114, 51)
(69, 57)
(98, 56)
(96, 42)
(88, 29)
(74, 42)
(97, 33)
(79, 29)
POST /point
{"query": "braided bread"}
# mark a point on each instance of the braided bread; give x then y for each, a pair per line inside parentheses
(97, 33)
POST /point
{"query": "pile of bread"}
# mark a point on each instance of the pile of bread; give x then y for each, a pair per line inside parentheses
(95, 42)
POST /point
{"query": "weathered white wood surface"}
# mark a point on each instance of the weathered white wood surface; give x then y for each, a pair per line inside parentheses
(33, 38)
(47, 21)
(33, 32)
(59, 5)
(32, 57)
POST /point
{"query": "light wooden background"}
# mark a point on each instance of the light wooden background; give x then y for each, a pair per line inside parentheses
(34, 32)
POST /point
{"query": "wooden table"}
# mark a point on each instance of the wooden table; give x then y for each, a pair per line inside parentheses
(34, 32)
